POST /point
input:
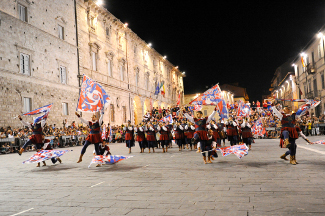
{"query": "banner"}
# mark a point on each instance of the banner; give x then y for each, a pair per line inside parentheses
(93, 97)
(168, 118)
(44, 109)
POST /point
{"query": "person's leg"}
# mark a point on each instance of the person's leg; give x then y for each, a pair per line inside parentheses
(83, 150)
(29, 142)
(292, 149)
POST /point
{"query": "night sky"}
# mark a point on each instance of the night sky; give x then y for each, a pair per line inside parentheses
(224, 42)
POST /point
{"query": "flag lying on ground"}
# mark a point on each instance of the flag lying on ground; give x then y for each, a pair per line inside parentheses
(93, 97)
(110, 159)
(44, 109)
(258, 129)
(168, 118)
(309, 105)
(238, 150)
(45, 155)
(320, 142)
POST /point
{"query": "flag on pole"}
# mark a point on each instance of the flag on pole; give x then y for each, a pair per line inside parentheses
(302, 61)
(44, 109)
(168, 118)
(309, 105)
(162, 89)
(104, 132)
(93, 97)
(179, 99)
(157, 89)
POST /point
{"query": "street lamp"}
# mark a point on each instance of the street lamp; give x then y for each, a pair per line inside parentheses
(99, 2)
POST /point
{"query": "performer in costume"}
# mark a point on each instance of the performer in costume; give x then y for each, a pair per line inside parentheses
(190, 129)
(164, 137)
(141, 138)
(212, 126)
(289, 132)
(47, 146)
(151, 137)
(178, 131)
(222, 132)
(129, 138)
(247, 134)
(208, 147)
(94, 136)
(200, 128)
(36, 138)
(232, 131)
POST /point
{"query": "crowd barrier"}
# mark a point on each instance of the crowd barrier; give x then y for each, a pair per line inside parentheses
(12, 145)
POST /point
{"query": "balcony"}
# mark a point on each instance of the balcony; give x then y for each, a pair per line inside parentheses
(311, 68)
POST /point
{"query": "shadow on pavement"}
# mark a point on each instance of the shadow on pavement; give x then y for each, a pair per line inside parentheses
(54, 168)
(114, 167)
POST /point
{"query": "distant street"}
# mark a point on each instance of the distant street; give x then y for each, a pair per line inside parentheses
(173, 183)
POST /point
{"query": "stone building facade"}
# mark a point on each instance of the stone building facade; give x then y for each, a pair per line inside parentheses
(127, 67)
(40, 62)
(38, 55)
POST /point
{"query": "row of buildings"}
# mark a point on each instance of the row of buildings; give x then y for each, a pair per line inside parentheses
(302, 76)
(47, 46)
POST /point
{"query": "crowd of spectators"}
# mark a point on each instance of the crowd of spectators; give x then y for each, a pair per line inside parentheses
(309, 124)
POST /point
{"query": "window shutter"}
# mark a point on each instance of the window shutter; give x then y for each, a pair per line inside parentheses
(109, 68)
(94, 61)
(26, 64)
(63, 75)
(21, 63)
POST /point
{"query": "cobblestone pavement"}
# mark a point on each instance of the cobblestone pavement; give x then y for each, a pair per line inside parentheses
(173, 183)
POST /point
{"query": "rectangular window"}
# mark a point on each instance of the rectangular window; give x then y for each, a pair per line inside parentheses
(65, 108)
(112, 112)
(94, 60)
(205, 112)
(147, 83)
(24, 64)
(63, 74)
(323, 83)
(109, 67)
(22, 10)
(27, 104)
(124, 113)
(122, 72)
(319, 51)
(136, 79)
(61, 32)
(107, 32)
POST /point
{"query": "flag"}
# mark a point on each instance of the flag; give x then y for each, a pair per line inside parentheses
(294, 100)
(197, 107)
(163, 91)
(243, 109)
(104, 132)
(179, 99)
(168, 118)
(210, 97)
(111, 159)
(157, 89)
(45, 155)
(309, 105)
(320, 142)
(93, 97)
(44, 109)
(258, 129)
(238, 150)
(302, 61)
